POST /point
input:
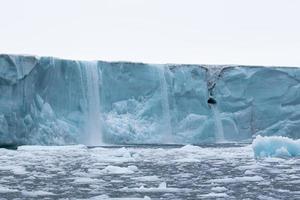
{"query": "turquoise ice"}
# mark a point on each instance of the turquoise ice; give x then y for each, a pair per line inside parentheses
(46, 100)
(275, 146)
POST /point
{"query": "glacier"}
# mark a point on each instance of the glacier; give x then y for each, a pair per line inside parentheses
(52, 101)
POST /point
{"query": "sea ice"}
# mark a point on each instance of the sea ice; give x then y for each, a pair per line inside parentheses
(146, 178)
(84, 180)
(215, 195)
(17, 170)
(105, 197)
(90, 173)
(119, 170)
(238, 179)
(190, 148)
(162, 188)
(36, 193)
(4, 190)
(219, 189)
(51, 148)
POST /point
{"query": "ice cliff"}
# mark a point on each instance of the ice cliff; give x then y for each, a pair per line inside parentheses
(46, 100)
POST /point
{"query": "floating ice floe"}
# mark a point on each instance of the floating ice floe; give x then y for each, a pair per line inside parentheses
(238, 179)
(146, 178)
(53, 148)
(105, 197)
(219, 189)
(119, 170)
(161, 188)
(36, 193)
(275, 146)
(84, 180)
(4, 190)
(16, 170)
(215, 195)
(191, 148)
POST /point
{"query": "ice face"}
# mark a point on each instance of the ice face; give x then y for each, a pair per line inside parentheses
(259, 100)
(54, 101)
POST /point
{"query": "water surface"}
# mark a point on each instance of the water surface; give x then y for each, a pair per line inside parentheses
(225, 171)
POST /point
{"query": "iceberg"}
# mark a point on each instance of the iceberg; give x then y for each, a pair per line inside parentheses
(52, 101)
(275, 146)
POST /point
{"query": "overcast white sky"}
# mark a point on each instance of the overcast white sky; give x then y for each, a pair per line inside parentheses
(256, 32)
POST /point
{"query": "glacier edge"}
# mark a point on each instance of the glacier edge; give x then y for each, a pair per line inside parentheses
(44, 101)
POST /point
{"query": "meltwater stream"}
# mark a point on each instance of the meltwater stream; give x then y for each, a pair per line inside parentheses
(213, 74)
(93, 120)
(167, 129)
(219, 132)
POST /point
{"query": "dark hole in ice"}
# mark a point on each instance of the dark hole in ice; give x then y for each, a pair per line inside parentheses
(211, 101)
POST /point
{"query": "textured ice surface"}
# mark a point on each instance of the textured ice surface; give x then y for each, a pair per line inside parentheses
(54, 101)
(146, 172)
(277, 146)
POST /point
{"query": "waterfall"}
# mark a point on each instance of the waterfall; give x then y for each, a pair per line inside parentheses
(166, 121)
(219, 132)
(213, 74)
(93, 115)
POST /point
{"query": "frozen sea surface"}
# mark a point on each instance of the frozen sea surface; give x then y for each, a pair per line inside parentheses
(146, 172)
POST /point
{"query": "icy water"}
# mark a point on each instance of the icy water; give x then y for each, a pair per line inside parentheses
(146, 172)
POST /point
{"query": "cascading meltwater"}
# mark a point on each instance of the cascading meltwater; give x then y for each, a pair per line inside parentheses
(92, 128)
(166, 117)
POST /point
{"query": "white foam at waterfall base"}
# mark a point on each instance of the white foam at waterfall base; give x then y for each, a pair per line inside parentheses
(167, 129)
(93, 120)
(219, 132)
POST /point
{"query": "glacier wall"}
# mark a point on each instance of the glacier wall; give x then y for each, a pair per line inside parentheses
(46, 100)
